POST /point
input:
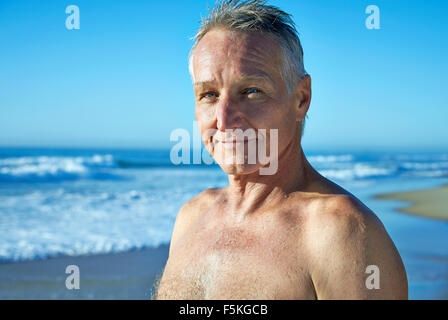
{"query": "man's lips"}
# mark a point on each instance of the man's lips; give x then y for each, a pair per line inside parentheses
(234, 141)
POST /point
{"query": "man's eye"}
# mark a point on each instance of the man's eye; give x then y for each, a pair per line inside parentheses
(253, 90)
(209, 95)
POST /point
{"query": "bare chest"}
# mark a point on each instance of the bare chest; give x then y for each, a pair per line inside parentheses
(234, 264)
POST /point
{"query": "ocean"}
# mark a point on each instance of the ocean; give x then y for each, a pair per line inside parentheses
(91, 201)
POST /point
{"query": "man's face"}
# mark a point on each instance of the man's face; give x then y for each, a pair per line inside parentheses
(238, 85)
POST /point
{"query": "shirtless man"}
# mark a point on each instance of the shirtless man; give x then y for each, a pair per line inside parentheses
(289, 235)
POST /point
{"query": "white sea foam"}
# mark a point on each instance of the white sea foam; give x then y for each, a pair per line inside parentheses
(425, 165)
(357, 171)
(44, 168)
(331, 158)
(43, 224)
(107, 217)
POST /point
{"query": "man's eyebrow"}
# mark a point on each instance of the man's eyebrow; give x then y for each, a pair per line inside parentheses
(257, 77)
(202, 83)
(245, 78)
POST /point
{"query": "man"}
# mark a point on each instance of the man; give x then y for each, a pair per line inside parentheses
(289, 235)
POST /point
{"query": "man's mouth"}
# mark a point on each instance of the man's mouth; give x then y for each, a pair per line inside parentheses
(235, 141)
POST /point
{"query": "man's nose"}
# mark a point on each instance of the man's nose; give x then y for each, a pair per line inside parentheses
(227, 114)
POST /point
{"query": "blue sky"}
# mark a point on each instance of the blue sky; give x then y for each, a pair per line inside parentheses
(122, 79)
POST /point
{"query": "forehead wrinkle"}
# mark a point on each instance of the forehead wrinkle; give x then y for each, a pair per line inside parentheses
(259, 56)
(244, 77)
(253, 57)
(253, 67)
(262, 77)
(229, 44)
(262, 59)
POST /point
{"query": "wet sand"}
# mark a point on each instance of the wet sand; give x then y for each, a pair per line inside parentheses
(429, 203)
(129, 275)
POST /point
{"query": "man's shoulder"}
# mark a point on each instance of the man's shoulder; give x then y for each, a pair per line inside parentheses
(337, 218)
(191, 211)
(194, 207)
(331, 220)
(337, 210)
(202, 199)
(343, 237)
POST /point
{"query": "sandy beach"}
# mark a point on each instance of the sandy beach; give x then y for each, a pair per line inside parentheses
(128, 275)
(429, 203)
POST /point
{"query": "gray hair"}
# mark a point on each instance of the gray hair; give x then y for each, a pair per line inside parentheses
(256, 16)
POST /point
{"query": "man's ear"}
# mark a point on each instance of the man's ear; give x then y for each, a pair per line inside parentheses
(303, 97)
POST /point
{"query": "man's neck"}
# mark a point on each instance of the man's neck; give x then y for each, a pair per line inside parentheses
(251, 192)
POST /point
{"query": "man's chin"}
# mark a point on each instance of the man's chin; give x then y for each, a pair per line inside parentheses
(239, 169)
